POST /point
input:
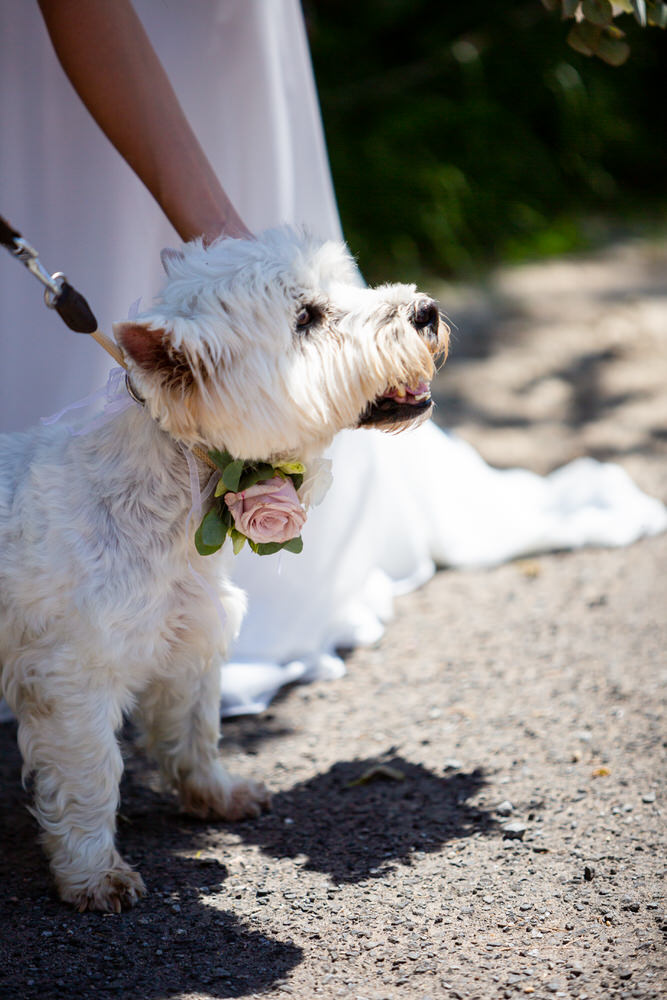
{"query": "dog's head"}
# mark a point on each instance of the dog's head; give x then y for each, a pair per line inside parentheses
(268, 347)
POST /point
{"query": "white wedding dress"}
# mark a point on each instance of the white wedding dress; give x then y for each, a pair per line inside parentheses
(241, 69)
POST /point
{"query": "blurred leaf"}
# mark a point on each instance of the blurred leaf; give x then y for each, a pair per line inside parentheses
(442, 164)
(598, 12)
(639, 8)
(657, 15)
(570, 8)
(294, 545)
(612, 50)
(378, 771)
(584, 38)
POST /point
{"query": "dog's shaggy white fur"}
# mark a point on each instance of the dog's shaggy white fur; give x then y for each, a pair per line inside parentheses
(265, 347)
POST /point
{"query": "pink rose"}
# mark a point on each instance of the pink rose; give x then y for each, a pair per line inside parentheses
(268, 511)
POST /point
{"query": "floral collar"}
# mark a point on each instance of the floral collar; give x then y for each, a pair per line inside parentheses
(261, 503)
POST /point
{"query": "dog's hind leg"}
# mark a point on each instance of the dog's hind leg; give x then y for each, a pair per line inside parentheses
(181, 719)
(69, 746)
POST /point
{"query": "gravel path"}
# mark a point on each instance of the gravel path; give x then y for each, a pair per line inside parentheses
(477, 809)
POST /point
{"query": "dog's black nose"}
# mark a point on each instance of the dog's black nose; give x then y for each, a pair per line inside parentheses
(425, 315)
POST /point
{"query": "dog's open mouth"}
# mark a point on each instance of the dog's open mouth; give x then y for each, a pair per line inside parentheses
(398, 405)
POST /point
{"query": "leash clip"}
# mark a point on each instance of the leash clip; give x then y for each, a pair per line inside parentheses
(54, 291)
(29, 256)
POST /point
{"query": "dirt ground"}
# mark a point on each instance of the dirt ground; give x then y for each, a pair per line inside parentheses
(507, 837)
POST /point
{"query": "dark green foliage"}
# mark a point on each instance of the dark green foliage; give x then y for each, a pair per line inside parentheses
(465, 133)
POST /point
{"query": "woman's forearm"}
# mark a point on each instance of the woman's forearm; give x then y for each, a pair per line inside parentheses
(107, 56)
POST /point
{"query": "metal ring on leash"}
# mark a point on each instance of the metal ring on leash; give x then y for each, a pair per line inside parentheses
(53, 292)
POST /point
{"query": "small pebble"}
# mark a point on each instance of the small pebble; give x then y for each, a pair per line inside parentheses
(648, 797)
(589, 873)
(505, 808)
(514, 831)
(452, 764)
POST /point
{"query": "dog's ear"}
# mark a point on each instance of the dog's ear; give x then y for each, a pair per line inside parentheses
(147, 348)
(152, 351)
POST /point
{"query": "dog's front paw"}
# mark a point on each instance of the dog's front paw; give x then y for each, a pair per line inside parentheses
(227, 798)
(110, 891)
(248, 799)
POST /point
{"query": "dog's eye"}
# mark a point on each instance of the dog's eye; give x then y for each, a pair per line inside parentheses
(304, 317)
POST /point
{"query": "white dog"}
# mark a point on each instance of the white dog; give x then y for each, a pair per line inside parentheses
(264, 349)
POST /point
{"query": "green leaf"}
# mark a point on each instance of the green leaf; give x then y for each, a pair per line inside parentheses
(297, 480)
(238, 540)
(294, 545)
(232, 474)
(256, 474)
(598, 12)
(221, 458)
(213, 530)
(225, 515)
(291, 468)
(210, 534)
(204, 550)
(267, 548)
(270, 548)
(220, 489)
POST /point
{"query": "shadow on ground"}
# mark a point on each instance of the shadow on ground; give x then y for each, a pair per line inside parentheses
(362, 817)
(174, 942)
